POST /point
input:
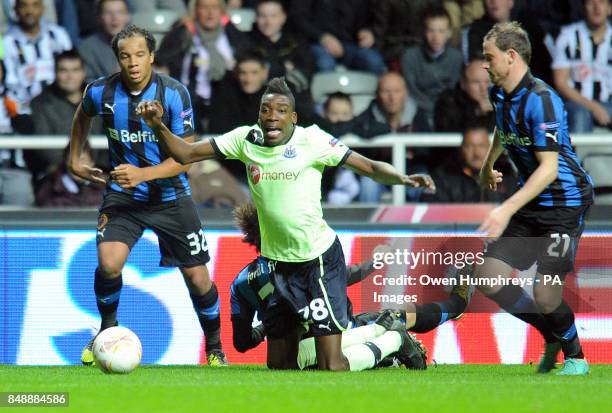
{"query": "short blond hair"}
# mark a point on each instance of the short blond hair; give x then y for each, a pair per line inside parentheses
(511, 35)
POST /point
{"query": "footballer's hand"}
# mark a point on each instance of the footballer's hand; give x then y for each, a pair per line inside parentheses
(86, 172)
(420, 181)
(496, 222)
(151, 111)
(128, 176)
(489, 178)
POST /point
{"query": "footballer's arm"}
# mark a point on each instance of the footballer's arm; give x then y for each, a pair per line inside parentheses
(181, 151)
(386, 174)
(81, 125)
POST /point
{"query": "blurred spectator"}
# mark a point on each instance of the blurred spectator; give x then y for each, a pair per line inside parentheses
(30, 48)
(339, 32)
(53, 110)
(458, 179)
(63, 189)
(200, 51)
(96, 49)
(49, 12)
(467, 104)
(212, 186)
(432, 67)
(15, 180)
(462, 13)
(393, 110)
(397, 25)
(287, 54)
(583, 68)
(235, 100)
(340, 185)
(500, 11)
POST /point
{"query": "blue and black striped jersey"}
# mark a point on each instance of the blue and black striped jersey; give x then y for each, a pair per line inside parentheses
(533, 118)
(130, 140)
(250, 289)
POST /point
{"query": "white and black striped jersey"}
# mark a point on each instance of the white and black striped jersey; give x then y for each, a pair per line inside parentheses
(590, 64)
(30, 62)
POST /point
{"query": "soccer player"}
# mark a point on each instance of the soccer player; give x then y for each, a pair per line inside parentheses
(542, 222)
(284, 163)
(146, 189)
(370, 332)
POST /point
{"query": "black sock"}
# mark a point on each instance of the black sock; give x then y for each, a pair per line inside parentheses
(431, 315)
(562, 322)
(208, 311)
(515, 301)
(428, 317)
(107, 292)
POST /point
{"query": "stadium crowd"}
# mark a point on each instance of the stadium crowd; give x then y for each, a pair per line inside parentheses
(426, 56)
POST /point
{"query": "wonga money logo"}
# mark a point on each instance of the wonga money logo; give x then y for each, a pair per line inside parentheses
(254, 173)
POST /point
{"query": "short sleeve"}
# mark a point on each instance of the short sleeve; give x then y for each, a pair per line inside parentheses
(231, 144)
(180, 111)
(562, 50)
(240, 309)
(546, 119)
(89, 104)
(329, 151)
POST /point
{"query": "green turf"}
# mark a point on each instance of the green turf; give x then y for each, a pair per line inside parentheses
(478, 388)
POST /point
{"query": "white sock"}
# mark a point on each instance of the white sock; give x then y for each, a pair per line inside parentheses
(368, 355)
(307, 354)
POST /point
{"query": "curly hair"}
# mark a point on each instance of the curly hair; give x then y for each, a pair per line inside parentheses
(247, 221)
(133, 31)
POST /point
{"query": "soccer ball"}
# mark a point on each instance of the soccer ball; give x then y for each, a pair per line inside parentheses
(117, 350)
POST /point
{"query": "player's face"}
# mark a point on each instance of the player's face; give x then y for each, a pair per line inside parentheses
(70, 75)
(270, 19)
(474, 148)
(277, 119)
(496, 62)
(476, 81)
(437, 33)
(596, 12)
(135, 60)
(339, 110)
(115, 16)
(252, 76)
(29, 12)
(209, 13)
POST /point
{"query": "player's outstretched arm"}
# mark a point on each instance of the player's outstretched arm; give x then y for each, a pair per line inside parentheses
(81, 125)
(385, 173)
(181, 151)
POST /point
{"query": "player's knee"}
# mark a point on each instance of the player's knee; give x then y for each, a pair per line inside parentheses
(335, 365)
(276, 364)
(547, 304)
(109, 268)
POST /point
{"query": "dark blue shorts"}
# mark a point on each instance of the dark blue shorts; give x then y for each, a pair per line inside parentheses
(176, 223)
(546, 236)
(312, 292)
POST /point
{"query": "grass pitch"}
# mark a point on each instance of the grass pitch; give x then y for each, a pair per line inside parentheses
(452, 389)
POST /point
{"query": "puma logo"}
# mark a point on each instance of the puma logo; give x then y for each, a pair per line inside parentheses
(326, 326)
(110, 107)
(188, 122)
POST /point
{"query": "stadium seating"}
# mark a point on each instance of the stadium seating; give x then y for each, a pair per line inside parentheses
(158, 22)
(360, 85)
(243, 19)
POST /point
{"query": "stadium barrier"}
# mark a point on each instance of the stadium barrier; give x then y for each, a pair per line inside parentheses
(48, 310)
(399, 143)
